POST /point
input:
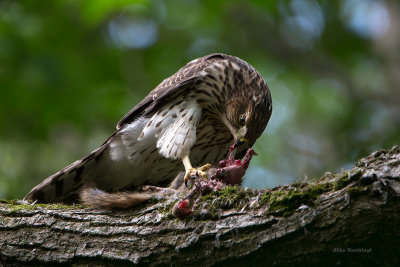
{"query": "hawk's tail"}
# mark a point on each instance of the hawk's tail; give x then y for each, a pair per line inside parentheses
(64, 186)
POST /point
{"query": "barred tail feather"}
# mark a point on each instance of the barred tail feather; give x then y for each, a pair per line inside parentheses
(109, 167)
(64, 185)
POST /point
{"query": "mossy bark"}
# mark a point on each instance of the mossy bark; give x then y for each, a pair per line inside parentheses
(352, 217)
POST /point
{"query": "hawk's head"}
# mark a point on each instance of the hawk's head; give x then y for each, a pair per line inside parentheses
(248, 113)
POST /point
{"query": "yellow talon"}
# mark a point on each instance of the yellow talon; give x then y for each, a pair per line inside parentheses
(189, 173)
(193, 172)
(204, 169)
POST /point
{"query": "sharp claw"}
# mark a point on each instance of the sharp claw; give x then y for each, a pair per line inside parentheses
(198, 172)
(186, 179)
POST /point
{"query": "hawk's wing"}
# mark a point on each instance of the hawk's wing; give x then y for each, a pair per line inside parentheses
(186, 76)
(65, 184)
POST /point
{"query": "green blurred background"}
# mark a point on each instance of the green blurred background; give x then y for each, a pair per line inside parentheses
(69, 70)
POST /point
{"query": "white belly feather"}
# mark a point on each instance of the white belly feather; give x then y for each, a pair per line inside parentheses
(150, 146)
(177, 138)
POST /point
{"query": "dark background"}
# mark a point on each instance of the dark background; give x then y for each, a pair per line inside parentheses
(69, 70)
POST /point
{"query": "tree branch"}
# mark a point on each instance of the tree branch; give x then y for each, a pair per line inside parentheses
(349, 217)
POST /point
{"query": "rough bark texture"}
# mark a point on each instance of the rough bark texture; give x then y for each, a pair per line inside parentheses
(348, 218)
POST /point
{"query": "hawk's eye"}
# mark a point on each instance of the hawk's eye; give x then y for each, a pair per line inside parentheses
(242, 120)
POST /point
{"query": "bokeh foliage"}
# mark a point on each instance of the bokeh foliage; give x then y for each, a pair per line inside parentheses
(69, 70)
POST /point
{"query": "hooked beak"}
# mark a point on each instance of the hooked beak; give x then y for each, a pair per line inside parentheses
(232, 149)
(239, 142)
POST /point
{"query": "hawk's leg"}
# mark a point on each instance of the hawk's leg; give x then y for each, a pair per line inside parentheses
(193, 172)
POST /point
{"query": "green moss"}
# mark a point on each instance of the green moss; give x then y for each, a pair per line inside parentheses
(229, 192)
(9, 201)
(328, 176)
(15, 206)
(319, 188)
(299, 184)
(211, 204)
(285, 202)
(356, 191)
(355, 174)
(265, 198)
(341, 182)
(166, 211)
(210, 210)
(229, 196)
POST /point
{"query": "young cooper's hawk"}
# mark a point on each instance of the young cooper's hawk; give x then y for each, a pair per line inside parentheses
(191, 117)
